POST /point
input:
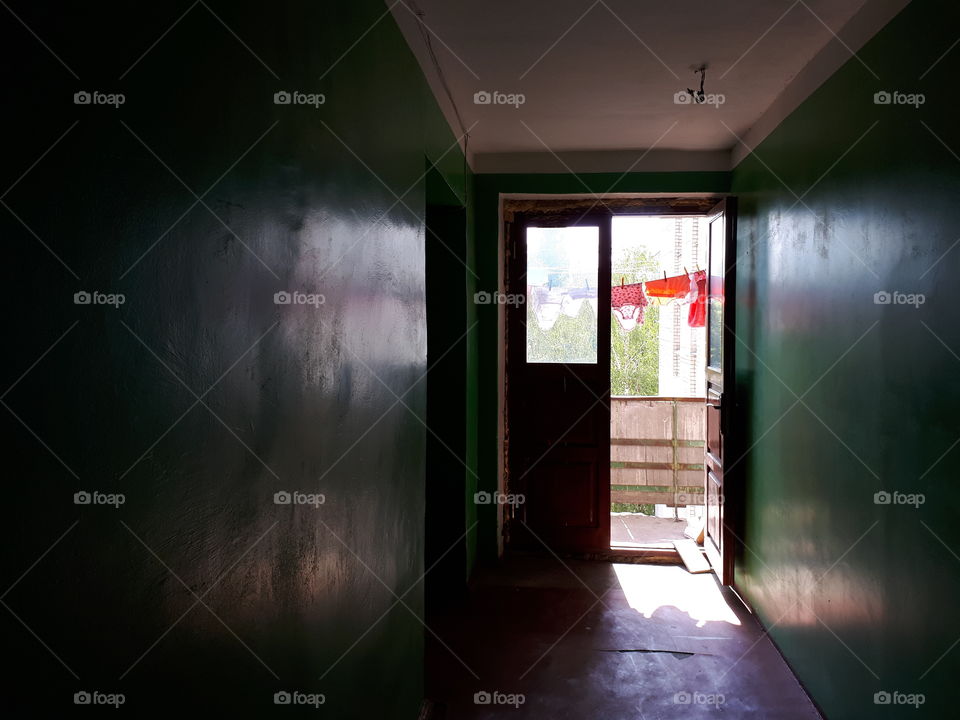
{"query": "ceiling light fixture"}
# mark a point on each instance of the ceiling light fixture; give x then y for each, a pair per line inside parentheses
(698, 96)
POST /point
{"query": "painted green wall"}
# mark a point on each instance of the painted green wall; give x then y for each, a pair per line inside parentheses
(485, 264)
(860, 597)
(289, 589)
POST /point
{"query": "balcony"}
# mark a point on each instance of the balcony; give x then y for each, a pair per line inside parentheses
(656, 458)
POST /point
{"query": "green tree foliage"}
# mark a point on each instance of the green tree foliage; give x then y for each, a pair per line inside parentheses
(635, 355)
(571, 339)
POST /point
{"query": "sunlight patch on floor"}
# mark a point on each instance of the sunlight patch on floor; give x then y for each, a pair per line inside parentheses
(649, 588)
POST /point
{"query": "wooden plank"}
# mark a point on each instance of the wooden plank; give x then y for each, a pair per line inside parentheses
(655, 466)
(656, 398)
(645, 498)
(685, 489)
(655, 478)
(691, 555)
(620, 465)
(654, 442)
(641, 498)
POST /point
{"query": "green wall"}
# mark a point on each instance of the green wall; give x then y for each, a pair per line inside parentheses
(289, 589)
(860, 597)
(485, 265)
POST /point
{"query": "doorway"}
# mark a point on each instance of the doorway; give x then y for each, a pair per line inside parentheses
(607, 418)
(657, 379)
(445, 252)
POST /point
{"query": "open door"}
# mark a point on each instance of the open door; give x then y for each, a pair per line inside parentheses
(721, 343)
(558, 394)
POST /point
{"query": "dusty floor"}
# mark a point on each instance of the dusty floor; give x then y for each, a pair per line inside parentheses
(637, 529)
(577, 639)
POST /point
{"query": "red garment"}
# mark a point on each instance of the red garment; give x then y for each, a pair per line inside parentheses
(698, 308)
(628, 302)
(677, 287)
(632, 294)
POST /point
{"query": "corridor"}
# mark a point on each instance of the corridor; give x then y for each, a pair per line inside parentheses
(334, 330)
(543, 637)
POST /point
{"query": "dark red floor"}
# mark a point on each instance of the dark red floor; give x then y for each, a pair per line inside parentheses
(582, 639)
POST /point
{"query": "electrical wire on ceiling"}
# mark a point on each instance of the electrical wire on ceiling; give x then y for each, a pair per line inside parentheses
(425, 36)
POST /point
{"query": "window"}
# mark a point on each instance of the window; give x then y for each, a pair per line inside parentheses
(562, 280)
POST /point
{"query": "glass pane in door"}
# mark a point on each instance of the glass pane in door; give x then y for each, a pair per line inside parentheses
(562, 272)
(715, 296)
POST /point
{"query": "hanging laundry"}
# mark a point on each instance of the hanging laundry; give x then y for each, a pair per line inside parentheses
(627, 303)
(697, 317)
(678, 287)
(546, 305)
(573, 300)
(549, 303)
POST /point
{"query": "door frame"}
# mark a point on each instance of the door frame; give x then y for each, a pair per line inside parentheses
(722, 559)
(511, 204)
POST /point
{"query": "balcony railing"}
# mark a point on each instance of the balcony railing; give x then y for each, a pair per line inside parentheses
(656, 450)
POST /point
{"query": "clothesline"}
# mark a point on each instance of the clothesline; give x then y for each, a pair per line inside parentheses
(628, 301)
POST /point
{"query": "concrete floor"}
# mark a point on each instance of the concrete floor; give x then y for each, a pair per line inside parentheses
(588, 640)
(637, 529)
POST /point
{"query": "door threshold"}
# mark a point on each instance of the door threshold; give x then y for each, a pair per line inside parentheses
(636, 554)
(640, 554)
(665, 545)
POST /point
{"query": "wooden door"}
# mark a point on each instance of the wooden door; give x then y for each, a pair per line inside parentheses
(558, 382)
(721, 288)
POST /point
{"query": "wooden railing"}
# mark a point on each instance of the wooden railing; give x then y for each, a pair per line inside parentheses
(656, 450)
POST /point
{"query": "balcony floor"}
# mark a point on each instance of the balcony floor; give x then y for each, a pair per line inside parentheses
(628, 529)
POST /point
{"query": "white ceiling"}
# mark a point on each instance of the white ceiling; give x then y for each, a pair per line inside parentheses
(601, 76)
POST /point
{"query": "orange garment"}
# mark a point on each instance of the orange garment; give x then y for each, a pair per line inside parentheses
(672, 288)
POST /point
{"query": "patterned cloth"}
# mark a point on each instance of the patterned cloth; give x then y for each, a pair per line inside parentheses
(628, 302)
